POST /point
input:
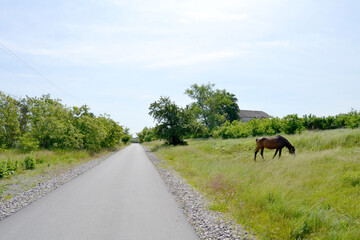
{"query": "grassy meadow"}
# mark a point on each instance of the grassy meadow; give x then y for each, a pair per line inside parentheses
(312, 195)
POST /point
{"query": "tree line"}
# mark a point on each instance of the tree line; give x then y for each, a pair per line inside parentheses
(289, 124)
(215, 113)
(42, 122)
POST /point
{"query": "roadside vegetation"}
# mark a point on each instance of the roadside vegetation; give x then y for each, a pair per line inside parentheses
(313, 195)
(35, 123)
(41, 138)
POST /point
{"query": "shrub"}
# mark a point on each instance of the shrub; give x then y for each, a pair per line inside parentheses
(27, 143)
(29, 163)
(291, 124)
(126, 138)
(8, 168)
(3, 169)
(146, 135)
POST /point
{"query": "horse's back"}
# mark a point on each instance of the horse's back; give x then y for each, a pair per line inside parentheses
(268, 142)
(260, 142)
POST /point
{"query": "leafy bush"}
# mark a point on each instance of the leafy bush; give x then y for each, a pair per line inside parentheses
(29, 163)
(8, 168)
(289, 124)
(27, 143)
(3, 169)
(146, 135)
(126, 139)
(198, 130)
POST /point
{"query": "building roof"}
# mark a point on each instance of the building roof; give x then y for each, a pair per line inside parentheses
(252, 114)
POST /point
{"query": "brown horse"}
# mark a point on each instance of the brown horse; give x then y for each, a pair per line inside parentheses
(277, 143)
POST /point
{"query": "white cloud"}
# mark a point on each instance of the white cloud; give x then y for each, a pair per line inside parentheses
(212, 15)
(153, 36)
(274, 44)
(195, 59)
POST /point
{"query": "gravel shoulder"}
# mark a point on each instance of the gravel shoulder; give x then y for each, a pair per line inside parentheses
(21, 200)
(208, 224)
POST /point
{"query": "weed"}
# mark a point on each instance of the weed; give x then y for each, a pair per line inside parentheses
(7, 197)
(218, 207)
(218, 184)
(352, 179)
(29, 163)
(8, 168)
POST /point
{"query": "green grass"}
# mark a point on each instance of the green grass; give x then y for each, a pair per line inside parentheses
(313, 195)
(48, 164)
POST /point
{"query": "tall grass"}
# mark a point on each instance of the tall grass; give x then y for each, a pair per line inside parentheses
(313, 195)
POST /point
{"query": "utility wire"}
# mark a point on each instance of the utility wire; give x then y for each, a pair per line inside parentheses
(27, 65)
(17, 76)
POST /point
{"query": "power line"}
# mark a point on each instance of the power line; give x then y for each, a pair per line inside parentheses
(34, 70)
(17, 76)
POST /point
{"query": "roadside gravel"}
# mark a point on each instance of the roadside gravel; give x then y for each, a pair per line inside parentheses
(9, 207)
(208, 224)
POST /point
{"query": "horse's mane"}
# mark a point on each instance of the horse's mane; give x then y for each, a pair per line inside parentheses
(285, 141)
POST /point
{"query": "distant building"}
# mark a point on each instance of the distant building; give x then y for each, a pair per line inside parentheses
(247, 115)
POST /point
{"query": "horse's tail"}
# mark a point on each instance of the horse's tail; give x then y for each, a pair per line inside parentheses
(256, 140)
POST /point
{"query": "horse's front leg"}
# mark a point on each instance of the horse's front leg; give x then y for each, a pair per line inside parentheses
(276, 152)
(280, 152)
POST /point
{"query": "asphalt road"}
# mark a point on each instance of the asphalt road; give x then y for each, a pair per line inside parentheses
(121, 198)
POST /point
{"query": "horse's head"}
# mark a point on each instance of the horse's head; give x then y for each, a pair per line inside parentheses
(292, 150)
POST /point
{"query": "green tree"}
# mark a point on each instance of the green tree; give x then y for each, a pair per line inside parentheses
(126, 136)
(9, 121)
(146, 135)
(292, 124)
(213, 107)
(114, 132)
(33, 123)
(172, 121)
(92, 130)
(51, 124)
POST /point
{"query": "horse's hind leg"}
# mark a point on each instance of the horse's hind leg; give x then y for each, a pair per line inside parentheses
(276, 152)
(256, 151)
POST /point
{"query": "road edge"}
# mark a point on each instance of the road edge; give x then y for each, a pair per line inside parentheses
(207, 224)
(21, 200)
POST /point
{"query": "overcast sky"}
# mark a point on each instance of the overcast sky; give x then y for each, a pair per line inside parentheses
(119, 56)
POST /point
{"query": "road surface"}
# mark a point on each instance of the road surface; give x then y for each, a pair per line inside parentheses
(121, 198)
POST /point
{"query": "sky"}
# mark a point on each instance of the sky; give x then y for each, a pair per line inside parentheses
(116, 56)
